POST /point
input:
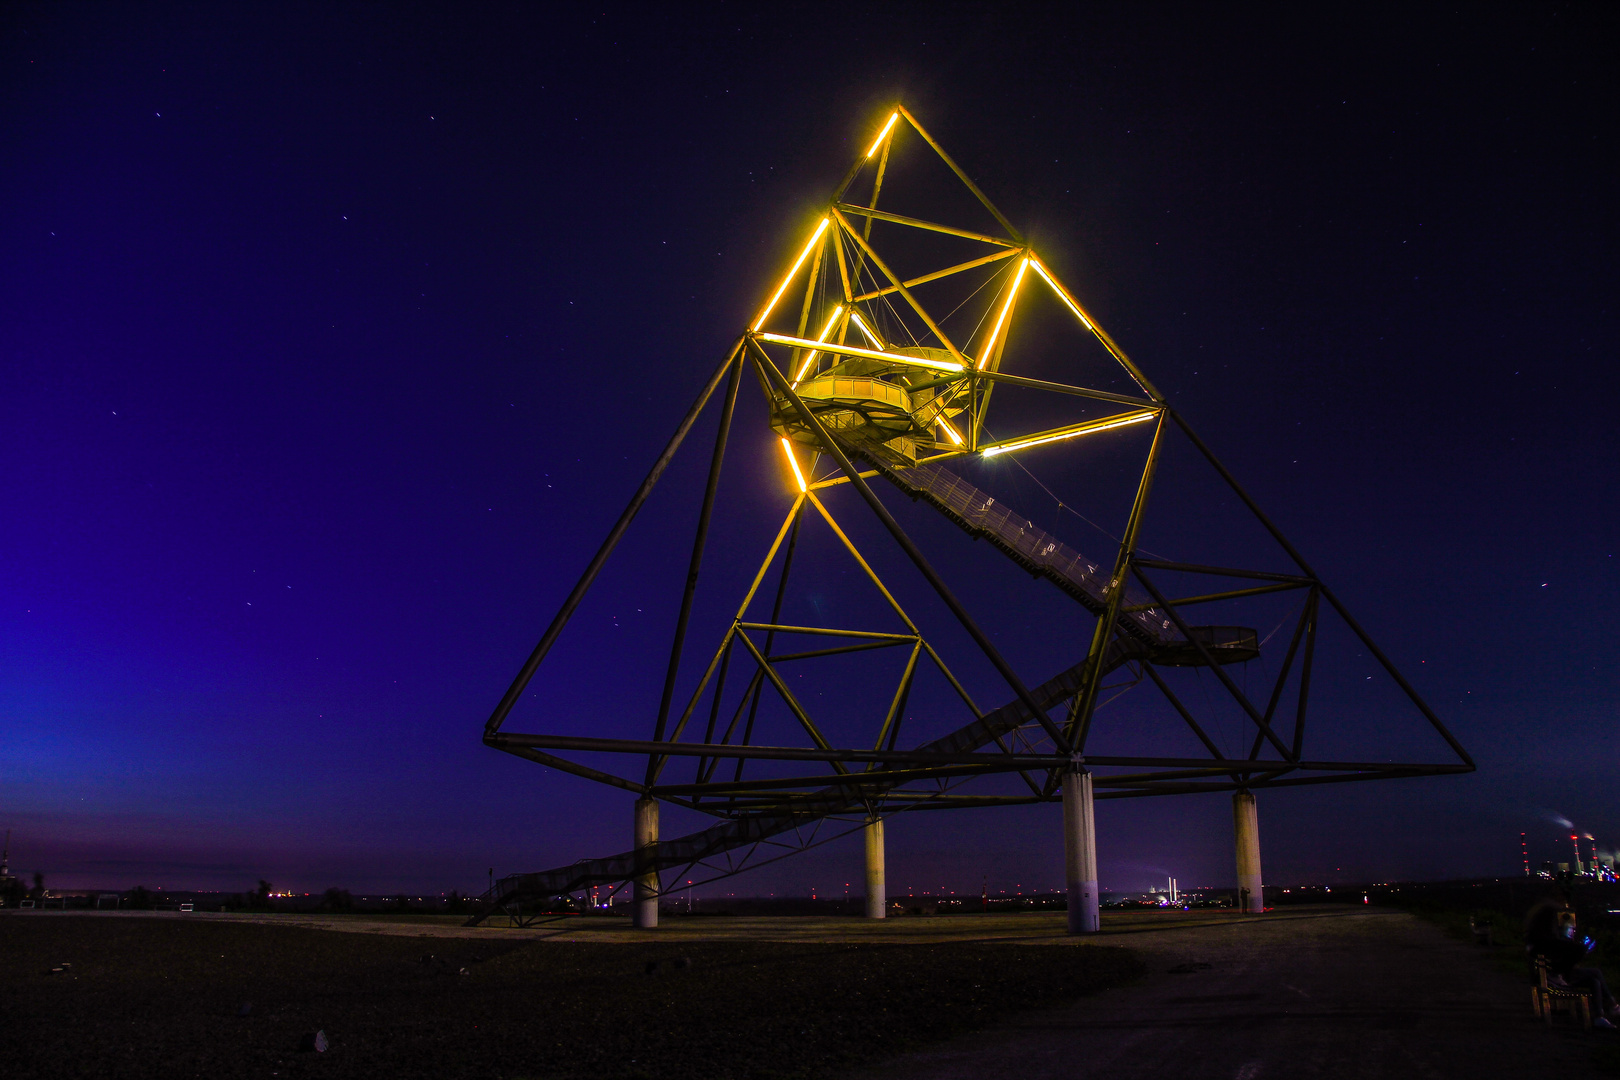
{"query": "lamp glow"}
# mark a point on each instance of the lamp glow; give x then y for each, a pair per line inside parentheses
(883, 134)
(877, 342)
(787, 448)
(955, 438)
(838, 309)
(803, 255)
(1041, 270)
(851, 350)
(995, 332)
(1134, 418)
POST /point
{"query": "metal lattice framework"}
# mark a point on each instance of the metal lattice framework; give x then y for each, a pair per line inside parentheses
(887, 389)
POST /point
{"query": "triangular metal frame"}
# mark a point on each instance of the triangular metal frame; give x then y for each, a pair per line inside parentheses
(1138, 626)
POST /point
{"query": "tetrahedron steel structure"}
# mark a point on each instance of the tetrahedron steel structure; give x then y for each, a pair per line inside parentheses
(879, 353)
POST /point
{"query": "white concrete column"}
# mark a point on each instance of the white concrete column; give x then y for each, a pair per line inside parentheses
(1246, 826)
(877, 880)
(1080, 852)
(644, 907)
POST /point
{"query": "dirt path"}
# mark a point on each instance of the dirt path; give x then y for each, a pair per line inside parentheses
(1340, 995)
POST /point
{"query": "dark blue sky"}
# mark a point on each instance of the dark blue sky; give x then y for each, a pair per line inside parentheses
(334, 340)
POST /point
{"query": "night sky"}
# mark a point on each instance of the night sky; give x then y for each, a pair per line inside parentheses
(333, 341)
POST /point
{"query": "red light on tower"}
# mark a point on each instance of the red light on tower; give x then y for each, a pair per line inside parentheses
(1524, 850)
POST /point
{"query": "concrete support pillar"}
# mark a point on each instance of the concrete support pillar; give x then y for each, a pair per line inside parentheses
(1246, 826)
(644, 906)
(877, 880)
(1080, 852)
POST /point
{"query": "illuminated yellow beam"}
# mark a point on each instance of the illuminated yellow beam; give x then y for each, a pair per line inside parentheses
(937, 274)
(803, 255)
(877, 342)
(1062, 294)
(995, 332)
(1088, 428)
(955, 438)
(838, 309)
(883, 134)
(851, 350)
(787, 448)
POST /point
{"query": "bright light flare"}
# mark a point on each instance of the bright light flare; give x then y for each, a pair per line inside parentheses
(838, 310)
(877, 342)
(883, 134)
(803, 255)
(1133, 418)
(995, 332)
(787, 448)
(955, 438)
(850, 350)
(1041, 270)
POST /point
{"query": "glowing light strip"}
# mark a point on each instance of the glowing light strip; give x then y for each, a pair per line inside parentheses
(805, 254)
(1137, 418)
(877, 342)
(989, 346)
(883, 134)
(955, 438)
(825, 330)
(850, 350)
(1041, 270)
(787, 448)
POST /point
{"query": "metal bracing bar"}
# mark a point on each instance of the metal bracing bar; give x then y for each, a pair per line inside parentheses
(586, 743)
(1062, 388)
(1096, 328)
(1164, 688)
(1355, 627)
(831, 444)
(877, 261)
(950, 677)
(1067, 431)
(960, 175)
(1305, 677)
(698, 542)
(1085, 702)
(1211, 597)
(843, 278)
(853, 782)
(554, 762)
(809, 295)
(849, 546)
(1292, 781)
(1224, 571)
(931, 226)
(787, 697)
(1282, 675)
(835, 652)
(756, 685)
(877, 184)
(827, 631)
(835, 481)
(697, 695)
(890, 731)
(835, 348)
(937, 274)
(549, 638)
(1203, 653)
(714, 708)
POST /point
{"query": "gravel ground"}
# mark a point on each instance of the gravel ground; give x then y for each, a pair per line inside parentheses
(1344, 995)
(180, 997)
